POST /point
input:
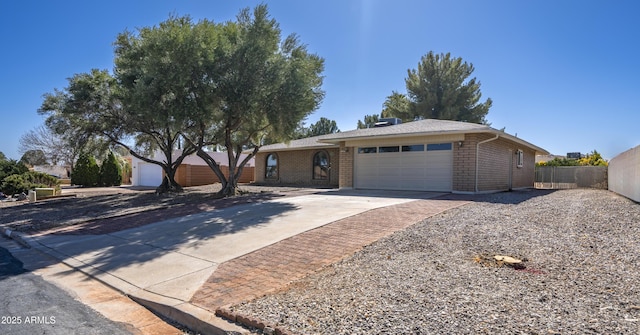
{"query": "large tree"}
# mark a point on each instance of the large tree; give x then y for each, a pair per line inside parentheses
(34, 157)
(62, 147)
(199, 84)
(93, 107)
(260, 87)
(440, 88)
(167, 76)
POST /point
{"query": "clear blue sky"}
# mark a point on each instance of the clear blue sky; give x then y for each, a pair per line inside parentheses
(562, 74)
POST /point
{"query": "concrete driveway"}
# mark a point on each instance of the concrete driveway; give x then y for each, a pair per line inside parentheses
(168, 261)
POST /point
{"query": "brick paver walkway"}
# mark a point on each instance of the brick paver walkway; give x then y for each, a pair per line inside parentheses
(273, 267)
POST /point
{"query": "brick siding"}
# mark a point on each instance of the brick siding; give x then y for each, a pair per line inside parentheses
(296, 168)
(493, 165)
(346, 166)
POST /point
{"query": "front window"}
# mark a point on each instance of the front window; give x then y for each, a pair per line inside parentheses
(271, 171)
(520, 158)
(321, 165)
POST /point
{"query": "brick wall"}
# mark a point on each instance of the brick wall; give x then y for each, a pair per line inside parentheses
(494, 166)
(497, 159)
(346, 166)
(525, 176)
(464, 163)
(296, 168)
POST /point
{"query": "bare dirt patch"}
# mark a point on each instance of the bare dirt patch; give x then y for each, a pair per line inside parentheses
(103, 210)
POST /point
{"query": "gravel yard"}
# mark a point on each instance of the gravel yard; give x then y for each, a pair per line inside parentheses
(581, 250)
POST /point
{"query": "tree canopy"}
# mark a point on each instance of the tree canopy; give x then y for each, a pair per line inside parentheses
(59, 145)
(34, 157)
(190, 85)
(440, 88)
(593, 158)
(265, 87)
(323, 126)
(369, 121)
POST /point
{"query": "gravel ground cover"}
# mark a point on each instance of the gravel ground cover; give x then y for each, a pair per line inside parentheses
(581, 249)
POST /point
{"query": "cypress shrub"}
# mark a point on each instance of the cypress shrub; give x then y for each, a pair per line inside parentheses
(110, 171)
(86, 172)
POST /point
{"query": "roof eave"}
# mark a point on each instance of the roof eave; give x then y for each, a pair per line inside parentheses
(306, 147)
(423, 133)
(539, 151)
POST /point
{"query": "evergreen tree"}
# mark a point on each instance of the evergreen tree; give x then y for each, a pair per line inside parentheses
(369, 121)
(86, 171)
(439, 88)
(110, 171)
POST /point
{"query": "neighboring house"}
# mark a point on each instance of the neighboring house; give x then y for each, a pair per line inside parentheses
(425, 155)
(54, 170)
(192, 172)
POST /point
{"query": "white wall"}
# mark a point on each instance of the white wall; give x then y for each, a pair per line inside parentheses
(136, 179)
(54, 170)
(624, 174)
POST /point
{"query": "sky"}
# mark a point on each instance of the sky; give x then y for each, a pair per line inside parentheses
(563, 75)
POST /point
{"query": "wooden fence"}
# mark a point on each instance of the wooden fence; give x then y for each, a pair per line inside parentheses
(196, 175)
(563, 177)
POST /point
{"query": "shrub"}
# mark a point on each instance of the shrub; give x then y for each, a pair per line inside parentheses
(30, 180)
(86, 171)
(41, 178)
(11, 167)
(110, 171)
(14, 184)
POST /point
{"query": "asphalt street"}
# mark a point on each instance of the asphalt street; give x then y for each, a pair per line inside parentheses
(31, 305)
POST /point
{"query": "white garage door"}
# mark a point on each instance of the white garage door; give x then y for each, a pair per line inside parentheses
(422, 167)
(149, 174)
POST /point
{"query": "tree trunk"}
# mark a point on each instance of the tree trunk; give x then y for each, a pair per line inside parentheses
(230, 190)
(169, 183)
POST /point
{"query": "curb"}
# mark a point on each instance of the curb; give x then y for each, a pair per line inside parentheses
(190, 316)
(252, 322)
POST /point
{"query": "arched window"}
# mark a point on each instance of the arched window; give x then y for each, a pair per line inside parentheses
(321, 165)
(271, 171)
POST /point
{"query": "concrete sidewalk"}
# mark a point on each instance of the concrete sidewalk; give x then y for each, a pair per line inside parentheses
(170, 266)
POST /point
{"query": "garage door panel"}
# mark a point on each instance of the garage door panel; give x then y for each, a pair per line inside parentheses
(415, 170)
(149, 174)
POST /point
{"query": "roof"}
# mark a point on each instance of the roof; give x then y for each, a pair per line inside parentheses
(415, 128)
(422, 127)
(303, 143)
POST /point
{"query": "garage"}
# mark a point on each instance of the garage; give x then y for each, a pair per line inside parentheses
(149, 174)
(420, 155)
(413, 166)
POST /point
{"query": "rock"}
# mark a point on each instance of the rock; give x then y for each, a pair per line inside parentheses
(509, 261)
